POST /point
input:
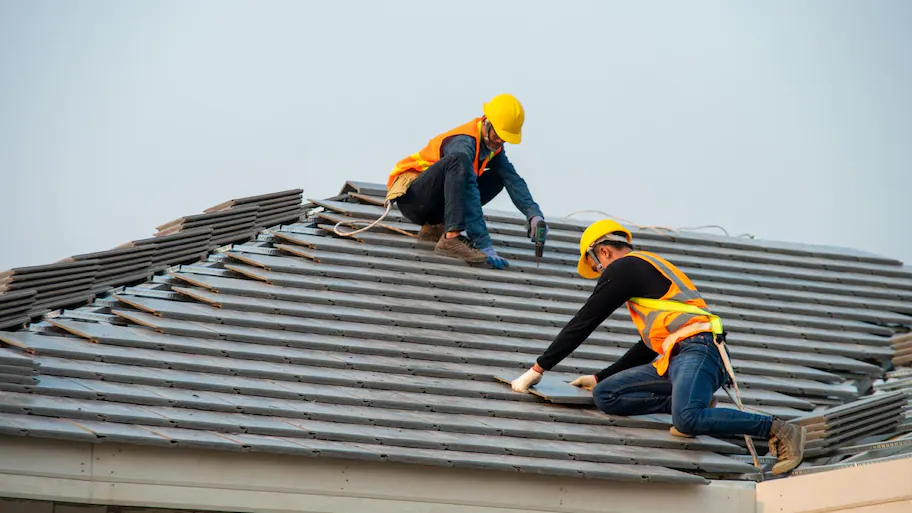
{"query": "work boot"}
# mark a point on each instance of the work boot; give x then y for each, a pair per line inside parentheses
(431, 232)
(461, 248)
(675, 432)
(786, 443)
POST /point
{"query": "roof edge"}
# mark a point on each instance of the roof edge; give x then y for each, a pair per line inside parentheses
(133, 475)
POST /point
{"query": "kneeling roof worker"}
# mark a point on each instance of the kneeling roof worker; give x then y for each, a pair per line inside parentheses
(443, 186)
(680, 360)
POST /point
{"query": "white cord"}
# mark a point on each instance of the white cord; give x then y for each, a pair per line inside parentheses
(389, 205)
(660, 229)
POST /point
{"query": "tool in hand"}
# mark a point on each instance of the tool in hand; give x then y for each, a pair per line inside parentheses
(538, 237)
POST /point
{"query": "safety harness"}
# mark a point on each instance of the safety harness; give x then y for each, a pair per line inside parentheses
(719, 340)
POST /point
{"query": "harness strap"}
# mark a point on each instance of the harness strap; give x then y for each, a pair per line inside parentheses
(718, 339)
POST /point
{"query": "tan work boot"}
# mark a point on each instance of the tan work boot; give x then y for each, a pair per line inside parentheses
(675, 432)
(786, 443)
(461, 248)
(430, 232)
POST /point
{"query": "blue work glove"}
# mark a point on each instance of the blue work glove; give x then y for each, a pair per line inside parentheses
(533, 228)
(496, 261)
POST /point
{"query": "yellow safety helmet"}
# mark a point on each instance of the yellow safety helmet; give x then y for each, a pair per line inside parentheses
(599, 231)
(506, 115)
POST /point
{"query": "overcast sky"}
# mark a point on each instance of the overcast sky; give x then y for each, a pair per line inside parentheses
(790, 120)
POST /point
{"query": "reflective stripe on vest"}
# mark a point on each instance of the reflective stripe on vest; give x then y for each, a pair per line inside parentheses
(430, 154)
(659, 322)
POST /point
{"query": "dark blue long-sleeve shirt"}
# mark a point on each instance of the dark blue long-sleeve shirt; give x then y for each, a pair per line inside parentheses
(516, 187)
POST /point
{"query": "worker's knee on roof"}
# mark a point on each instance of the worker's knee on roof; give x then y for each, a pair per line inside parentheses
(606, 399)
(689, 421)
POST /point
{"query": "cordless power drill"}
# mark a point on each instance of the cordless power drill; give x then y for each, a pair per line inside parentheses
(541, 232)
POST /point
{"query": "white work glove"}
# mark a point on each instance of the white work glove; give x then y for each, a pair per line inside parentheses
(522, 383)
(585, 382)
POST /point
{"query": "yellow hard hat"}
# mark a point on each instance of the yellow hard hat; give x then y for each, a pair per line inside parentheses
(598, 232)
(506, 115)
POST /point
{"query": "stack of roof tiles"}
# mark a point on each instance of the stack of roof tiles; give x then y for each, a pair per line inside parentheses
(17, 371)
(845, 425)
(899, 380)
(54, 285)
(29, 292)
(183, 246)
(118, 266)
(902, 344)
(15, 307)
(240, 218)
(375, 348)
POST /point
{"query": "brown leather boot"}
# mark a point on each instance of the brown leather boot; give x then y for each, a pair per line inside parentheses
(786, 443)
(461, 248)
(430, 232)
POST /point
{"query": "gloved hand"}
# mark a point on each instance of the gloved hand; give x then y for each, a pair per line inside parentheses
(585, 382)
(522, 383)
(533, 228)
(496, 261)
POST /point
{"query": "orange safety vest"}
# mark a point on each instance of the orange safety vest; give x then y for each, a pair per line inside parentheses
(660, 329)
(419, 162)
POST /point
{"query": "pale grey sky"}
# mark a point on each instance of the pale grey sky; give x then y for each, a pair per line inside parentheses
(790, 120)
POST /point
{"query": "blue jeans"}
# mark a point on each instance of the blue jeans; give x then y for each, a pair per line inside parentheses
(695, 372)
(438, 195)
(448, 192)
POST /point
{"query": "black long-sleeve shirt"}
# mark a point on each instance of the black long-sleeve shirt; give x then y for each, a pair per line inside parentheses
(623, 279)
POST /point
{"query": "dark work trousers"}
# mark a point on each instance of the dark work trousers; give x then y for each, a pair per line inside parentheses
(438, 194)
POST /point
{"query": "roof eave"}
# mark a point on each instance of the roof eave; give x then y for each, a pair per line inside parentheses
(133, 475)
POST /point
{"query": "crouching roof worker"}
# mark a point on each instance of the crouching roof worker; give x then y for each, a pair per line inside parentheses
(677, 366)
(443, 186)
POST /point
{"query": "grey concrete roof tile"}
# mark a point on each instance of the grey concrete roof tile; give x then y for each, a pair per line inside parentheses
(50, 406)
(751, 286)
(813, 357)
(258, 200)
(14, 320)
(637, 473)
(384, 351)
(575, 227)
(169, 326)
(46, 427)
(195, 438)
(824, 335)
(685, 261)
(478, 341)
(63, 387)
(510, 304)
(553, 389)
(15, 358)
(17, 370)
(427, 368)
(18, 379)
(505, 235)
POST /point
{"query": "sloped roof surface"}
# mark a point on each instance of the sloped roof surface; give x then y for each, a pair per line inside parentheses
(373, 347)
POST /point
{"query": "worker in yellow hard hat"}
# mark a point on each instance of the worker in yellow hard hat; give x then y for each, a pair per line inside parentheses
(680, 360)
(443, 186)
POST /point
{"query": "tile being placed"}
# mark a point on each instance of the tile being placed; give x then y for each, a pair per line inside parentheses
(554, 390)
